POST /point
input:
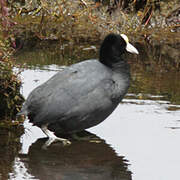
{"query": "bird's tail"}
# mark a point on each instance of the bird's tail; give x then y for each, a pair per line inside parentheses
(22, 113)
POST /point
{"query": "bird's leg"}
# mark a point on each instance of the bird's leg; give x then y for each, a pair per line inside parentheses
(53, 137)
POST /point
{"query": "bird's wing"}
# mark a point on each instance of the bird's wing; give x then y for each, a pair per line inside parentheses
(81, 87)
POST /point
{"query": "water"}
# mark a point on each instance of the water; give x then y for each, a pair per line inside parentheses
(139, 140)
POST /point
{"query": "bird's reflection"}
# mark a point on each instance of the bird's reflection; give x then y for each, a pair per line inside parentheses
(89, 159)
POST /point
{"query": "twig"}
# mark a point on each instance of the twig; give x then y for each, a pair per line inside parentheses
(84, 3)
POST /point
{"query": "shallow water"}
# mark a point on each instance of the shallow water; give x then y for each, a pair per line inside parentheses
(139, 140)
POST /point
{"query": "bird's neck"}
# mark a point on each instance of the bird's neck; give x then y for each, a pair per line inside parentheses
(121, 66)
(117, 64)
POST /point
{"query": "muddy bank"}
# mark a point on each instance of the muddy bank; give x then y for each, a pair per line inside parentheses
(86, 21)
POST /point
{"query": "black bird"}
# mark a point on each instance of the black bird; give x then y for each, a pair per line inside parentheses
(81, 95)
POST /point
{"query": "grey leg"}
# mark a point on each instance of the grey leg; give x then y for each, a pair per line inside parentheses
(53, 137)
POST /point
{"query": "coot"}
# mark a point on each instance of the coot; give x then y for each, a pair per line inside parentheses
(81, 95)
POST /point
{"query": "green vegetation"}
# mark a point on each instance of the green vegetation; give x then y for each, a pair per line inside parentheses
(86, 21)
(10, 96)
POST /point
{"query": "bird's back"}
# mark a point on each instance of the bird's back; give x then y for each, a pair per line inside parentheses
(80, 96)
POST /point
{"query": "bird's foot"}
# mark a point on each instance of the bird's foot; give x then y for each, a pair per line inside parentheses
(53, 140)
(52, 137)
(65, 142)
